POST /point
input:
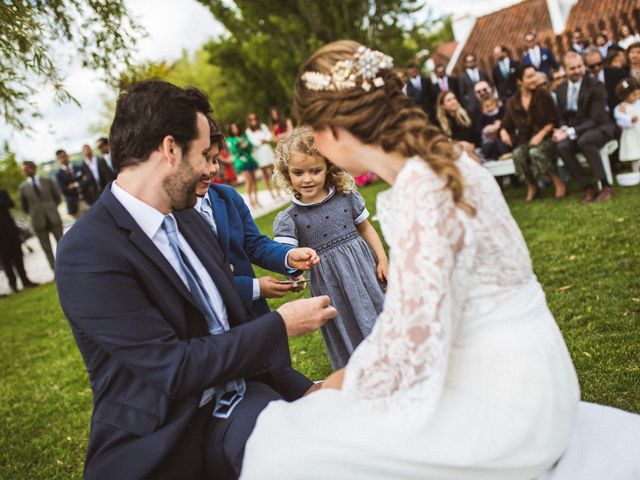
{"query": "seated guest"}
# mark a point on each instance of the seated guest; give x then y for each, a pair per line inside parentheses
(472, 75)
(455, 123)
(603, 44)
(633, 60)
(492, 113)
(627, 37)
(230, 219)
(419, 89)
(527, 127)
(504, 73)
(541, 58)
(616, 59)
(610, 77)
(585, 127)
(443, 82)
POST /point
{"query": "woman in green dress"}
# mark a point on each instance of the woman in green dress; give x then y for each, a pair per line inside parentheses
(243, 161)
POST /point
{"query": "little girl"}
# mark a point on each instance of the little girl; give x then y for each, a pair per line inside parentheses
(627, 115)
(329, 215)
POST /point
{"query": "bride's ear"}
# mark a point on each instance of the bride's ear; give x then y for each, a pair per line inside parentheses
(334, 132)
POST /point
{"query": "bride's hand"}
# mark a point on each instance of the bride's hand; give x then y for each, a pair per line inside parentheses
(334, 380)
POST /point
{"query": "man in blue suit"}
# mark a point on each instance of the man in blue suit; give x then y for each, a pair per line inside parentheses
(541, 58)
(178, 369)
(230, 219)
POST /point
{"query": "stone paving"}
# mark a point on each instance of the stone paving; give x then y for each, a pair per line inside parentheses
(37, 267)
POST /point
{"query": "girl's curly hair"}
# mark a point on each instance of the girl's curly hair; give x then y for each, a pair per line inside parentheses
(300, 140)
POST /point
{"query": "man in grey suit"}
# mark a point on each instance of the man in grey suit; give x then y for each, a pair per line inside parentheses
(39, 198)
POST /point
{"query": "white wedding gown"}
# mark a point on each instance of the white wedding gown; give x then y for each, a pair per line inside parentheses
(465, 374)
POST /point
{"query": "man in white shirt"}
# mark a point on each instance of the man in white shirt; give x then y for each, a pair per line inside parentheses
(178, 368)
(472, 75)
(96, 175)
(39, 198)
(420, 90)
(103, 148)
(541, 58)
(585, 127)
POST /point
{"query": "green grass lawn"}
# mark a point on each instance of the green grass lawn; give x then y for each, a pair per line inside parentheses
(586, 257)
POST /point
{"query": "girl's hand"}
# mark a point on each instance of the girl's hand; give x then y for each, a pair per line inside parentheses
(302, 258)
(382, 270)
(335, 380)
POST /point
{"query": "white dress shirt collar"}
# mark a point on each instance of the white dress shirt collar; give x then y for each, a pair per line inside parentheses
(332, 190)
(147, 217)
(416, 82)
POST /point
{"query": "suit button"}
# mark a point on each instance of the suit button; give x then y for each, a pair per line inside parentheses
(231, 266)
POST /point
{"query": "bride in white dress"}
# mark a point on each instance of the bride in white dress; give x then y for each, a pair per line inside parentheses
(465, 374)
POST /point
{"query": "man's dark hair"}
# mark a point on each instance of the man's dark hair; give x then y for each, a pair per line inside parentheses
(413, 65)
(147, 112)
(102, 141)
(60, 152)
(29, 163)
(470, 55)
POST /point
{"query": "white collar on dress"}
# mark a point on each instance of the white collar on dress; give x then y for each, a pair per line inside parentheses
(332, 190)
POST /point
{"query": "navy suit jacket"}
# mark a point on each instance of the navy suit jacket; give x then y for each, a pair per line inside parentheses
(547, 61)
(243, 244)
(147, 349)
(71, 195)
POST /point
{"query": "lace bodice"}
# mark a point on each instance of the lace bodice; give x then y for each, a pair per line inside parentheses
(445, 266)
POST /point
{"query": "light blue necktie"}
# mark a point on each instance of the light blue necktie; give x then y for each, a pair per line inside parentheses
(207, 212)
(505, 69)
(572, 97)
(227, 396)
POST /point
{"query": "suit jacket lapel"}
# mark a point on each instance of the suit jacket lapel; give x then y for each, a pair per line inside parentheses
(221, 217)
(201, 239)
(143, 243)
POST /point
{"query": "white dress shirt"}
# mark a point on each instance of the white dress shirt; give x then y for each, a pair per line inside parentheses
(474, 74)
(150, 222)
(535, 57)
(35, 180)
(93, 166)
(416, 82)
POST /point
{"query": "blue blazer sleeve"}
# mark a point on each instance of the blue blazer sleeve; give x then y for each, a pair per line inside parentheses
(260, 249)
(245, 287)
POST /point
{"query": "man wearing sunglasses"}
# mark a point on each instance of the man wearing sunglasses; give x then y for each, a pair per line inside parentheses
(594, 63)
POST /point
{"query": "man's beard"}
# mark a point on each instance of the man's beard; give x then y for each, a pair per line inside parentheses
(181, 186)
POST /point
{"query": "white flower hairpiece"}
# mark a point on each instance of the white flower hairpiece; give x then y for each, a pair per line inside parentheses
(625, 84)
(366, 64)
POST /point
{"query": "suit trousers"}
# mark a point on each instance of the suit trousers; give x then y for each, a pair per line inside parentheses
(12, 260)
(227, 438)
(589, 144)
(45, 241)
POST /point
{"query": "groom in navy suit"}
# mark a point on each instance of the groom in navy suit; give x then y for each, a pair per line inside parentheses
(178, 369)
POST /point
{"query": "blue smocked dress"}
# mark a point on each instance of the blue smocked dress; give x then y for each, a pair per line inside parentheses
(347, 268)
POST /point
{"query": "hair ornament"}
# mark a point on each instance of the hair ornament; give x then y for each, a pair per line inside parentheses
(625, 84)
(365, 65)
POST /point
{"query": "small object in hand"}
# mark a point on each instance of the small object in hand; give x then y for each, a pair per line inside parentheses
(293, 283)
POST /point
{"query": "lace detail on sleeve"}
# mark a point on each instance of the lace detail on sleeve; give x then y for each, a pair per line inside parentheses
(404, 359)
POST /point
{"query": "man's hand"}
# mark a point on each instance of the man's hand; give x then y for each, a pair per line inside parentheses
(270, 288)
(559, 134)
(300, 286)
(302, 258)
(306, 315)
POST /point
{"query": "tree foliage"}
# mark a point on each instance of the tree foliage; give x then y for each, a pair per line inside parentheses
(11, 175)
(37, 34)
(267, 40)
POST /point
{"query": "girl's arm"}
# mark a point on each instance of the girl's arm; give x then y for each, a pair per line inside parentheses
(369, 234)
(622, 119)
(541, 135)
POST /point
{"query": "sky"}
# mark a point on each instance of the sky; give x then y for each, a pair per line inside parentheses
(170, 31)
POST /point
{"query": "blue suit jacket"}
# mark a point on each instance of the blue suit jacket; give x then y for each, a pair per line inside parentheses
(244, 244)
(146, 345)
(547, 61)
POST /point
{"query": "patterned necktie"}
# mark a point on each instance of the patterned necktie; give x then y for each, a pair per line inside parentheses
(207, 212)
(227, 396)
(443, 85)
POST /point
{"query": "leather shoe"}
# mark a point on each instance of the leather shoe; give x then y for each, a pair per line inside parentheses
(605, 194)
(589, 196)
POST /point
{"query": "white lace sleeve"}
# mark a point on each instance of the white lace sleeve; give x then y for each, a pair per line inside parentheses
(404, 359)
